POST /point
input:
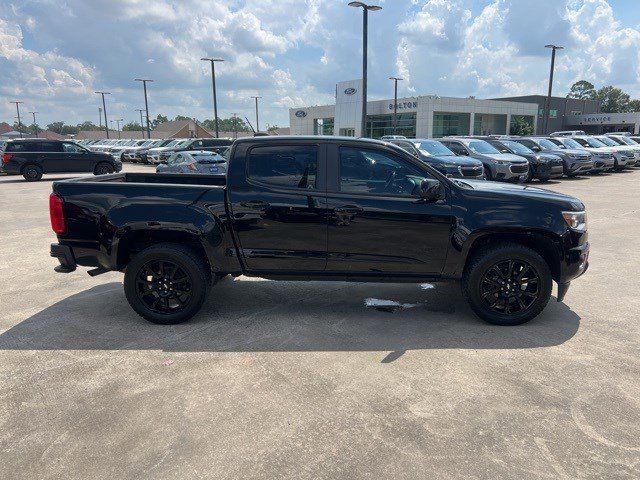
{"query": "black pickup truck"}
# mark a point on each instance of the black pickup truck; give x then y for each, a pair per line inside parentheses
(320, 208)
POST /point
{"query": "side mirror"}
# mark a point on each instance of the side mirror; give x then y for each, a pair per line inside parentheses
(431, 190)
(536, 148)
(504, 150)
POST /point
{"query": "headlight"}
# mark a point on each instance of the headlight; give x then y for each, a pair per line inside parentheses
(576, 220)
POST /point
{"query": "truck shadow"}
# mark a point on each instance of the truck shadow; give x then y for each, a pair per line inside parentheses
(265, 316)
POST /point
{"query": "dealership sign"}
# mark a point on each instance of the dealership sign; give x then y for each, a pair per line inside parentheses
(404, 105)
(595, 119)
(301, 114)
(350, 91)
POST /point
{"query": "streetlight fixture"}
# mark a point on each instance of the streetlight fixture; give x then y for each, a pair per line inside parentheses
(117, 125)
(141, 122)
(213, 80)
(365, 34)
(257, 116)
(104, 110)
(18, 110)
(35, 124)
(395, 102)
(547, 109)
(146, 103)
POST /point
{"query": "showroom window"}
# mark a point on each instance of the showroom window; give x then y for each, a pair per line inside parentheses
(380, 125)
(445, 124)
(323, 126)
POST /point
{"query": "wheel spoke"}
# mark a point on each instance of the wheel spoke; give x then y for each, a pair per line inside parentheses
(509, 286)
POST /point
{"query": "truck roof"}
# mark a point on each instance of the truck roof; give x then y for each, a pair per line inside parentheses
(308, 138)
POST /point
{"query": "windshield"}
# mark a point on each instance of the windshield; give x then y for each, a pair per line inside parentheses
(571, 143)
(432, 147)
(608, 142)
(594, 142)
(626, 141)
(516, 147)
(544, 143)
(480, 146)
(172, 143)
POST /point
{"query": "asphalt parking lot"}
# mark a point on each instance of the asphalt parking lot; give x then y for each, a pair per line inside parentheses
(303, 380)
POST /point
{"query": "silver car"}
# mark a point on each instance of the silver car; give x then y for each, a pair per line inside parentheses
(195, 161)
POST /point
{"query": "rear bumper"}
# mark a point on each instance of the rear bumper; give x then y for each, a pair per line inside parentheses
(64, 254)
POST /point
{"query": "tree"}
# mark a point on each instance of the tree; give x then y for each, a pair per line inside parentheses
(22, 128)
(56, 127)
(232, 124)
(159, 119)
(181, 117)
(272, 128)
(582, 90)
(520, 126)
(613, 100)
(87, 125)
(634, 106)
(131, 127)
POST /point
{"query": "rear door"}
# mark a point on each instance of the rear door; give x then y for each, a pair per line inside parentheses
(51, 156)
(279, 207)
(378, 224)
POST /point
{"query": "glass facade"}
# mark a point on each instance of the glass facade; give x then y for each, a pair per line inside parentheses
(380, 125)
(323, 126)
(451, 124)
(477, 124)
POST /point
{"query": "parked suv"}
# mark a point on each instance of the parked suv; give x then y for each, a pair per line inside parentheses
(497, 166)
(32, 158)
(626, 141)
(442, 159)
(604, 158)
(576, 161)
(543, 166)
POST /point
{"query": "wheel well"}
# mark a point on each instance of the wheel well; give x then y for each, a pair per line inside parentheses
(137, 241)
(540, 243)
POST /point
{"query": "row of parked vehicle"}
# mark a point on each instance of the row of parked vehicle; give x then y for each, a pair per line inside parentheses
(523, 159)
(154, 151)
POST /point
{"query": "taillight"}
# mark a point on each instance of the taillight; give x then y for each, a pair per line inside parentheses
(5, 158)
(56, 213)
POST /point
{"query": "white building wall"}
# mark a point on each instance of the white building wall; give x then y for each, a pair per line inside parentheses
(347, 110)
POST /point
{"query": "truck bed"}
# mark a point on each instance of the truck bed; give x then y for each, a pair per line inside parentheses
(156, 178)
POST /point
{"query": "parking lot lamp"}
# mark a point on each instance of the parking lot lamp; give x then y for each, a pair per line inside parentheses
(104, 110)
(141, 122)
(257, 115)
(146, 103)
(215, 98)
(18, 110)
(395, 102)
(35, 124)
(547, 109)
(365, 34)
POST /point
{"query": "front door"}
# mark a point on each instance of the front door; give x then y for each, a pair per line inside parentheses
(378, 224)
(279, 208)
(76, 158)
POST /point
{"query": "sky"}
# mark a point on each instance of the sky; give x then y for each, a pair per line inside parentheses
(55, 53)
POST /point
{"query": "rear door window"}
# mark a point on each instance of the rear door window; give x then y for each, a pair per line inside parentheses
(293, 166)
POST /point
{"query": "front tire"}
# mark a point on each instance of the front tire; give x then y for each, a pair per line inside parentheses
(166, 283)
(32, 173)
(507, 284)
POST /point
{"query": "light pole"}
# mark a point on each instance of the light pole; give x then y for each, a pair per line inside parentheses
(395, 102)
(100, 117)
(104, 110)
(146, 103)
(117, 125)
(18, 110)
(365, 35)
(547, 109)
(235, 125)
(215, 98)
(141, 122)
(35, 125)
(257, 116)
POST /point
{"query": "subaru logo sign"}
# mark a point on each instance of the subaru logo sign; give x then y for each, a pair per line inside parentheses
(301, 114)
(350, 91)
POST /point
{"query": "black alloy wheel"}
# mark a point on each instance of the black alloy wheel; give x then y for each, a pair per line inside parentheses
(103, 169)
(163, 287)
(510, 286)
(32, 173)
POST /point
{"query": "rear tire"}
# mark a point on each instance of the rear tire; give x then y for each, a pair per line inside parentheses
(507, 284)
(32, 173)
(166, 283)
(103, 169)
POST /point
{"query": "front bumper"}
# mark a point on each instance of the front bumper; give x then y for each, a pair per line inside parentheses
(470, 173)
(510, 171)
(64, 254)
(545, 171)
(576, 167)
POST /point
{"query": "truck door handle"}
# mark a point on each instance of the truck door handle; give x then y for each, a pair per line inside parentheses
(256, 204)
(351, 209)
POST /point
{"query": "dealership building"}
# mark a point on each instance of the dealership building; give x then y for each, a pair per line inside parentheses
(422, 116)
